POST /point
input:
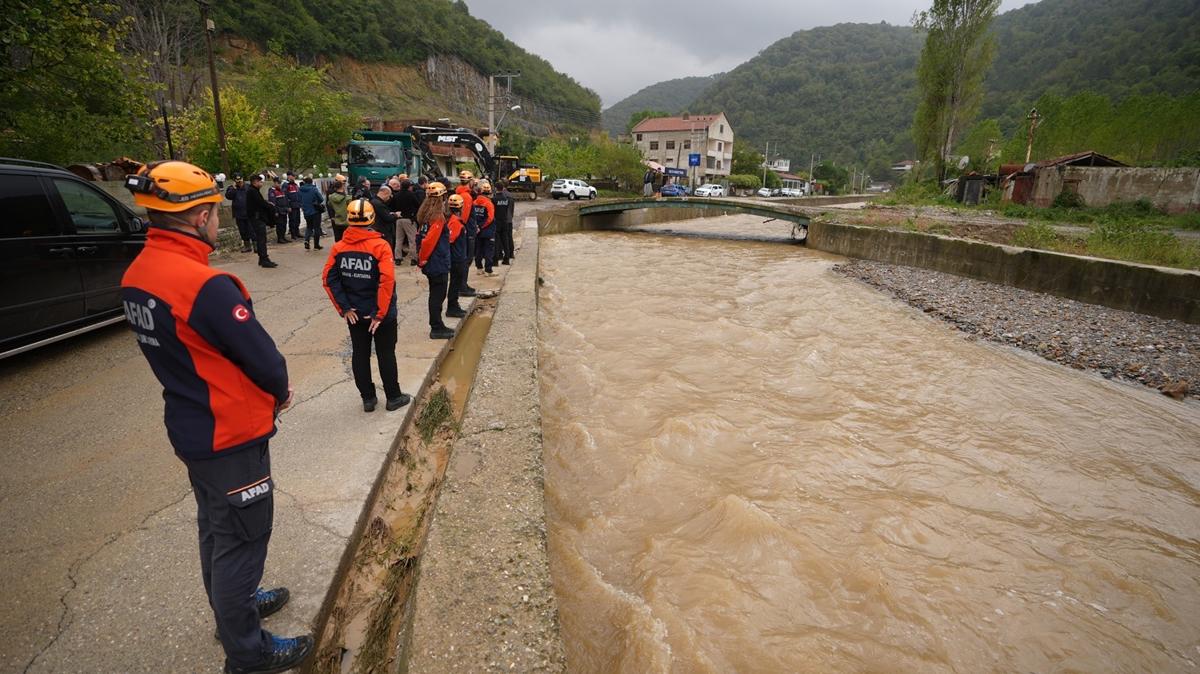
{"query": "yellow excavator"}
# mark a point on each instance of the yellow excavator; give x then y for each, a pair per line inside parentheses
(520, 177)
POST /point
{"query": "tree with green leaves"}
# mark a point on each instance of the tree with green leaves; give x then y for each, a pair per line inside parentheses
(982, 145)
(957, 54)
(249, 139)
(310, 120)
(66, 93)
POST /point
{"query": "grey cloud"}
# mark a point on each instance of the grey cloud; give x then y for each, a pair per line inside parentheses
(616, 47)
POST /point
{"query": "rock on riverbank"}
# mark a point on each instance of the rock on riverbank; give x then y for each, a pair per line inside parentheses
(1159, 353)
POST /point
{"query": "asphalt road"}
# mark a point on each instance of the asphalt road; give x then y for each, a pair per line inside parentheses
(98, 555)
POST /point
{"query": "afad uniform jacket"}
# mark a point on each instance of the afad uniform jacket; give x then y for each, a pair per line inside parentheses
(483, 212)
(468, 201)
(433, 243)
(360, 274)
(458, 240)
(221, 374)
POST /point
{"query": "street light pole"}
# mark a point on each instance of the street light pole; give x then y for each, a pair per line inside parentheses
(209, 27)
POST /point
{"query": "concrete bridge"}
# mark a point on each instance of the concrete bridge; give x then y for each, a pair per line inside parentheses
(635, 212)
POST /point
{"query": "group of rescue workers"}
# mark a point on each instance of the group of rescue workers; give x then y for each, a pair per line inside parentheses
(225, 382)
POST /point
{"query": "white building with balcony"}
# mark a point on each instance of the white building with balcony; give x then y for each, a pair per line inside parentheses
(670, 140)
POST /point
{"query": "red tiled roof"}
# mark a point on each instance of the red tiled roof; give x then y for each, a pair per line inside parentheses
(656, 124)
(789, 176)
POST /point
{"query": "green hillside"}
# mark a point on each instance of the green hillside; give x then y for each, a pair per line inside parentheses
(673, 96)
(847, 92)
(406, 31)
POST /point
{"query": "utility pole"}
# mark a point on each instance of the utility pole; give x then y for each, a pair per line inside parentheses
(508, 76)
(1034, 119)
(209, 28)
(766, 158)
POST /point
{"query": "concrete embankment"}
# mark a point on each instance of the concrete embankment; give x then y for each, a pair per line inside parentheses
(484, 599)
(1156, 291)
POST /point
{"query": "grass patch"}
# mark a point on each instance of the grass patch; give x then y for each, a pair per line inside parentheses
(1037, 235)
(1141, 241)
(438, 411)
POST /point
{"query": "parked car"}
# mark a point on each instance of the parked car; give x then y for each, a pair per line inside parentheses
(764, 192)
(673, 190)
(710, 190)
(572, 189)
(792, 192)
(64, 246)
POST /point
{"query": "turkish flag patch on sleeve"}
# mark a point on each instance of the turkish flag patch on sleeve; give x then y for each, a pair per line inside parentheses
(241, 314)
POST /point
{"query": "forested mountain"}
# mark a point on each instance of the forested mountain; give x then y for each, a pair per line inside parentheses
(405, 31)
(847, 92)
(672, 96)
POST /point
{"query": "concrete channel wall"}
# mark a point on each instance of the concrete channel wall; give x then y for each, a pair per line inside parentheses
(1157, 291)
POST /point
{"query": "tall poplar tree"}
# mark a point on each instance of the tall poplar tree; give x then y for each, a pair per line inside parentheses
(958, 51)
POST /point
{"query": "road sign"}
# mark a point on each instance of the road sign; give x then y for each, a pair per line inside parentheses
(677, 172)
(694, 159)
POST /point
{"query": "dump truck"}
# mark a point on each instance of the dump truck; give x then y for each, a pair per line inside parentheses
(378, 155)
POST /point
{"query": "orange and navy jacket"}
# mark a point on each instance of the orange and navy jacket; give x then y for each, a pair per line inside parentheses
(458, 242)
(484, 214)
(468, 200)
(221, 374)
(360, 274)
(433, 240)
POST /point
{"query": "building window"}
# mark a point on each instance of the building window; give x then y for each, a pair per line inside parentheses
(687, 144)
(722, 128)
(654, 145)
(719, 165)
(639, 137)
(670, 145)
(711, 162)
(720, 146)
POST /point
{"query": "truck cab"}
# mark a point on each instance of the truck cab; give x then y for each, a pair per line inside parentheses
(379, 155)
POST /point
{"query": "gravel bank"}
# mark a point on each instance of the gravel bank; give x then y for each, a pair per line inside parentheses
(1159, 353)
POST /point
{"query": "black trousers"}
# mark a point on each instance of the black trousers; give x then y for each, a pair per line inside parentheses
(439, 285)
(281, 223)
(458, 275)
(259, 229)
(338, 231)
(388, 232)
(294, 222)
(485, 252)
(235, 509)
(243, 225)
(312, 229)
(385, 352)
(504, 241)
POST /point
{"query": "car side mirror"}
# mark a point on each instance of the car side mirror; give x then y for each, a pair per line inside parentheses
(137, 224)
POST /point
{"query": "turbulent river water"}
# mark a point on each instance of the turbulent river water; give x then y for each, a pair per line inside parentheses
(755, 465)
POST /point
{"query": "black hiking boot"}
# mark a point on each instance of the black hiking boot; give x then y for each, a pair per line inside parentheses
(268, 601)
(398, 402)
(369, 405)
(455, 312)
(441, 333)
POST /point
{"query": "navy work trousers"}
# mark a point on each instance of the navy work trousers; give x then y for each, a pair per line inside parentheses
(438, 287)
(235, 508)
(385, 352)
(294, 222)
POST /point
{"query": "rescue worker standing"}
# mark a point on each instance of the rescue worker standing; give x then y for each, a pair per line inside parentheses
(504, 223)
(292, 189)
(483, 212)
(385, 218)
(277, 195)
(237, 194)
(459, 261)
(312, 204)
(224, 382)
(433, 244)
(360, 278)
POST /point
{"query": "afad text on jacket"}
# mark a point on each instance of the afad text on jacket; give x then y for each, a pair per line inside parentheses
(221, 374)
(360, 274)
(483, 212)
(433, 243)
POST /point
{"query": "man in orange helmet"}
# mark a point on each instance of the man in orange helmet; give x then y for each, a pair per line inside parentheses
(224, 383)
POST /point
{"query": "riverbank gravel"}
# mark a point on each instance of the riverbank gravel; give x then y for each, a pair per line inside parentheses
(1155, 352)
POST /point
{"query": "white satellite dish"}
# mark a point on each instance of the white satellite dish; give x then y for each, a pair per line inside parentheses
(962, 163)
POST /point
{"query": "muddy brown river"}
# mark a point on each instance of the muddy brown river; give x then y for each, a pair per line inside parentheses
(756, 465)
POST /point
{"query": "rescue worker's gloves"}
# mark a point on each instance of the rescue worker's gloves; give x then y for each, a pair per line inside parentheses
(435, 190)
(360, 213)
(455, 201)
(172, 187)
(485, 187)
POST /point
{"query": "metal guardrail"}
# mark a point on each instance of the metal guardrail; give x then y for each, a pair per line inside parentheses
(798, 219)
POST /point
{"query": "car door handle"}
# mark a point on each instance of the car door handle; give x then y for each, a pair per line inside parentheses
(61, 252)
(87, 250)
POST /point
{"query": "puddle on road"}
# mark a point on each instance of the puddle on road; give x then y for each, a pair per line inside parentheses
(369, 626)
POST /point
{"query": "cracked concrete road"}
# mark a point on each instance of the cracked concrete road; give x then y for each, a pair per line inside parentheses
(98, 554)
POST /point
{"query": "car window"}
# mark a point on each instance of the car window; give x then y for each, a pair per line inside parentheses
(25, 208)
(89, 211)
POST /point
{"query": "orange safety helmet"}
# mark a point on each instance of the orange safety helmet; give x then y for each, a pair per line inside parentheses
(485, 187)
(464, 176)
(360, 213)
(455, 201)
(172, 187)
(435, 190)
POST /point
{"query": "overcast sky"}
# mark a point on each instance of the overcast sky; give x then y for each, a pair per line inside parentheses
(616, 47)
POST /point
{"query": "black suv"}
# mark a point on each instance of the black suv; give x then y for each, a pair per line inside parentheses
(64, 246)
